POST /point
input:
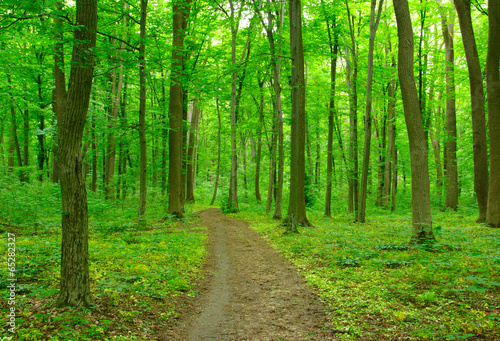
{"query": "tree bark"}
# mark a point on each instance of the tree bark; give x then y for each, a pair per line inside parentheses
(451, 116)
(218, 153)
(493, 95)
(175, 202)
(297, 205)
(390, 161)
(360, 217)
(142, 116)
(330, 162)
(74, 285)
(421, 204)
(480, 148)
(258, 155)
(352, 80)
(191, 149)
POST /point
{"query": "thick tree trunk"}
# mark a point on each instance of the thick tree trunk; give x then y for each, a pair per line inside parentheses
(480, 148)
(142, 116)
(297, 205)
(451, 117)
(175, 137)
(75, 288)
(493, 95)
(360, 217)
(421, 204)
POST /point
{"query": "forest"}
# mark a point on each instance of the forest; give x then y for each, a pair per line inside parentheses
(250, 169)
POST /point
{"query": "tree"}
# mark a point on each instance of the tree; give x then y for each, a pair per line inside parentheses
(360, 217)
(175, 202)
(334, 47)
(451, 116)
(480, 148)
(352, 80)
(297, 203)
(421, 203)
(493, 95)
(142, 114)
(74, 286)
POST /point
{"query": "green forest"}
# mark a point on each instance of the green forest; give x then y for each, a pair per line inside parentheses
(250, 169)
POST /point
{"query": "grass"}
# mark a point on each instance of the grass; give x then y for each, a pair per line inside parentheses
(137, 274)
(377, 288)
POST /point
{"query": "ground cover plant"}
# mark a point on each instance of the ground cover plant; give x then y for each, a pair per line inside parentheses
(136, 273)
(378, 288)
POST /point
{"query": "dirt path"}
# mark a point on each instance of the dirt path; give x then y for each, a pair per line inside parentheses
(253, 294)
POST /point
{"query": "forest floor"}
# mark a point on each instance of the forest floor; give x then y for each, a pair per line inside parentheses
(250, 292)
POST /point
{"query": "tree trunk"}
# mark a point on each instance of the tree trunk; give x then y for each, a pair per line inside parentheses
(297, 205)
(360, 217)
(390, 162)
(191, 149)
(175, 137)
(13, 126)
(334, 46)
(352, 79)
(493, 95)
(258, 155)
(75, 288)
(421, 203)
(218, 153)
(41, 137)
(451, 117)
(142, 115)
(480, 148)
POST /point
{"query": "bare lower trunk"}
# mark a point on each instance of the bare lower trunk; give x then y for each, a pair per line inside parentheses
(451, 118)
(477, 104)
(421, 205)
(74, 285)
(297, 206)
(142, 116)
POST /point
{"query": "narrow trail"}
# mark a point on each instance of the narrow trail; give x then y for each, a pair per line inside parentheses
(252, 294)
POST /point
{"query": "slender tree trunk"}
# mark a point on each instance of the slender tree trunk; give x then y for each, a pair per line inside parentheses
(391, 117)
(297, 205)
(164, 137)
(258, 155)
(334, 45)
(352, 79)
(191, 152)
(26, 130)
(272, 167)
(451, 117)
(421, 204)
(218, 153)
(480, 148)
(41, 137)
(493, 95)
(142, 115)
(360, 217)
(74, 285)
(13, 127)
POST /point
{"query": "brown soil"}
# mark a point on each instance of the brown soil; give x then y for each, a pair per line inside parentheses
(250, 292)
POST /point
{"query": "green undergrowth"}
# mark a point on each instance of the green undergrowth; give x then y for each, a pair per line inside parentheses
(137, 275)
(378, 288)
